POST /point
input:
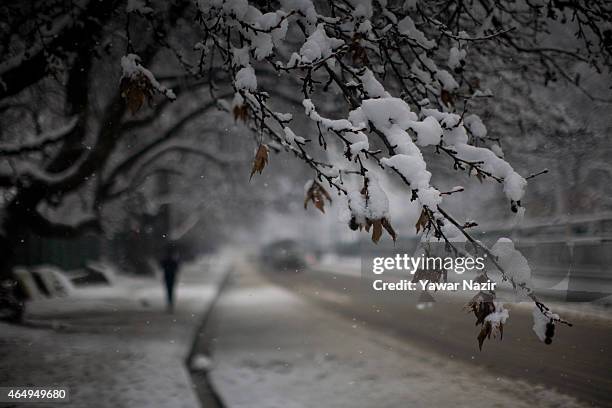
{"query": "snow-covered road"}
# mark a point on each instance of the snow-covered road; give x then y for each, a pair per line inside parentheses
(273, 348)
(577, 363)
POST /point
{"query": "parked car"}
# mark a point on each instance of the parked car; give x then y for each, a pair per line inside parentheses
(283, 255)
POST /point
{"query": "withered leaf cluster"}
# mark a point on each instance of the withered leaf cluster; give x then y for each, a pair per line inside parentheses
(376, 225)
(241, 112)
(358, 52)
(135, 90)
(377, 228)
(422, 222)
(482, 305)
(447, 98)
(317, 194)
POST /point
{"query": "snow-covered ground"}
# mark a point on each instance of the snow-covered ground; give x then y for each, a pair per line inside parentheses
(113, 346)
(272, 348)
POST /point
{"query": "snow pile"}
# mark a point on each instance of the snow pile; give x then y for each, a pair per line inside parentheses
(512, 262)
(392, 116)
(495, 148)
(446, 80)
(540, 323)
(514, 184)
(329, 124)
(428, 131)
(474, 124)
(245, 79)
(387, 112)
(456, 59)
(377, 201)
(455, 136)
(200, 362)
(373, 205)
(307, 12)
(291, 137)
(383, 113)
(499, 316)
(28, 283)
(263, 32)
(132, 69)
(423, 67)
(54, 280)
(275, 22)
(406, 27)
(371, 87)
(358, 142)
(318, 46)
(413, 168)
(241, 57)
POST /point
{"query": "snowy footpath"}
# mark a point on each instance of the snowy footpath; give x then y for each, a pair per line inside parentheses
(272, 348)
(114, 346)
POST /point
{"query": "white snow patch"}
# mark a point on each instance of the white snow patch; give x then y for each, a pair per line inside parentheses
(246, 80)
(407, 27)
(512, 261)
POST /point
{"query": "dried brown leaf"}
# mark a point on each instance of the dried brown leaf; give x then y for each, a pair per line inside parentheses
(317, 194)
(387, 225)
(422, 221)
(485, 333)
(320, 204)
(260, 161)
(358, 52)
(135, 90)
(377, 230)
(241, 112)
(447, 98)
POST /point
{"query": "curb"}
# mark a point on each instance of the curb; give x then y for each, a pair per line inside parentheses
(206, 393)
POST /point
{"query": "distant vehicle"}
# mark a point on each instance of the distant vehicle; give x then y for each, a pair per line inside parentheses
(285, 254)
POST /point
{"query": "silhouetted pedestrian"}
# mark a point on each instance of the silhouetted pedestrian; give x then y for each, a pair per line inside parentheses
(170, 265)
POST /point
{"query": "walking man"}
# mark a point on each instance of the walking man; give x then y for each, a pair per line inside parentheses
(170, 266)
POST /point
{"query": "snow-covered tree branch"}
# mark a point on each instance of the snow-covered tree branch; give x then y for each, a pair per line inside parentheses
(401, 70)
(384, 89)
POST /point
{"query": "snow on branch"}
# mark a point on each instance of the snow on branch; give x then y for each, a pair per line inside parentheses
(139, 84)
(386, 67)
